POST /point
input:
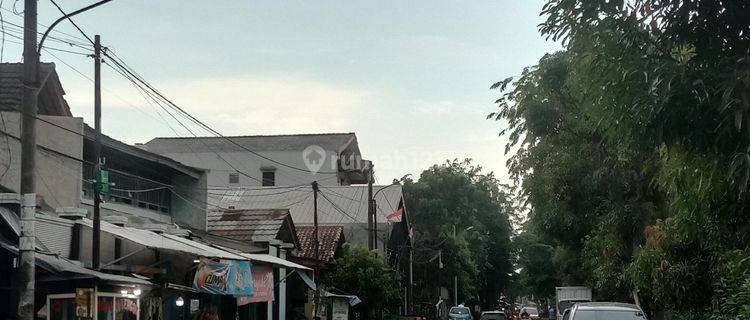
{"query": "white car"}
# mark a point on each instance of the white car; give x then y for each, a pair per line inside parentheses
(606, 311)
(493, 315)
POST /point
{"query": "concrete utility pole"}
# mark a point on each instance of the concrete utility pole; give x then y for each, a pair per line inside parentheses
(96, 236)
(27, 240)
(455, 278)
(316, 241)
(371, 236)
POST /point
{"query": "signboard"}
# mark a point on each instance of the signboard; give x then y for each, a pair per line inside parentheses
(339, 309)
(226, 277)
(84, 302)
(102, 181)
(263, 286)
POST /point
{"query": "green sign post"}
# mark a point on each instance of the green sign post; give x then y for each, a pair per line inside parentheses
(102, 181)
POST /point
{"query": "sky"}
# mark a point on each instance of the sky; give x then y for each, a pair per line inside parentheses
(410, 78)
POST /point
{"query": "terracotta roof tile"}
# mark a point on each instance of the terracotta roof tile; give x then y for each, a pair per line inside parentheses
(330, 237)
(253, 225)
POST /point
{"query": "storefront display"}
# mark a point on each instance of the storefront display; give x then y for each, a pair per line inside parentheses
(109, 306)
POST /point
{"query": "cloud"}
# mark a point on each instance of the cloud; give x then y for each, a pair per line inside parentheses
(270, 106)
(242, 105)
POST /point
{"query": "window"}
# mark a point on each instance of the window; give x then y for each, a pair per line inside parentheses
(269, 178)
(234, 178)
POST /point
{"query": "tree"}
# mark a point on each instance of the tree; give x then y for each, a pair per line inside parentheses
(366, 274)
(465, 214)
(633, 143)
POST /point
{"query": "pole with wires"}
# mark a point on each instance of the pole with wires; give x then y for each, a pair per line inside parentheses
(316, 239)
(99, 182)
(27, 240)
(372, 229)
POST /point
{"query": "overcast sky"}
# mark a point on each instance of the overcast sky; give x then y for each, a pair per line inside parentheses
(410, 78)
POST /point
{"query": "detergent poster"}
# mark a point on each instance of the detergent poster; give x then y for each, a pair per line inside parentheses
(227, 277)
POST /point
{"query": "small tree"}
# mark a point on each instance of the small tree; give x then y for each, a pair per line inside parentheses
(366, 274)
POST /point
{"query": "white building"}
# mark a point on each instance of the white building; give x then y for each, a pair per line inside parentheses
(269, 160)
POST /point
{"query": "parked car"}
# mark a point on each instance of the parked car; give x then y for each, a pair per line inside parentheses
(459, 312)
(530, 313)
(493, 315)
(606, 311)
(566, 314)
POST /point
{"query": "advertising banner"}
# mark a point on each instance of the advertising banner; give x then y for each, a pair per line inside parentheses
(227, 277)
(263, 284)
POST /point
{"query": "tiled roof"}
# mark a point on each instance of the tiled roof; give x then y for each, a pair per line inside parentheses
(292, 142)
(253, 225)
(50, 101)
(330, 237)
(332, 200)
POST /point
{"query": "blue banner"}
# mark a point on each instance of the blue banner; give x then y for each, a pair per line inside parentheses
(228, 277)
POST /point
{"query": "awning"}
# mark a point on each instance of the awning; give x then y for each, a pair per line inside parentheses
(63, 269)
(273, 260)
(176, 243)
(168, 242)
(352, 299)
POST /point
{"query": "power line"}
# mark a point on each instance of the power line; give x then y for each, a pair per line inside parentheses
(199, 122)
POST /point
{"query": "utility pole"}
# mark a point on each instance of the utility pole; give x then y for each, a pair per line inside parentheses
(371, 235)
(455, 277)
(27, 240)
(315, 220)
(99, 182)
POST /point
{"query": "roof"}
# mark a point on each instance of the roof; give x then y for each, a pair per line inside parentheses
(51, 101)
(179, 244)
(290, 142)
(611, 306)
(64, 269)
(256, 225)
(163, 241)
(330, 238)
(114, 144)
(332, 200)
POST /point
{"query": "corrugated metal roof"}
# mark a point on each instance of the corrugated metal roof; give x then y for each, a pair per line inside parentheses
(256, 225)
(11, 219)
(328, 236)
(352, 200)
(64, 269)
(328, 141)
(179, 244)
(163, 241)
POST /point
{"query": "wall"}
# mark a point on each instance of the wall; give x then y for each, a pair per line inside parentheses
(55, 234)
(189, 202)
(252, 164)
(58, 172)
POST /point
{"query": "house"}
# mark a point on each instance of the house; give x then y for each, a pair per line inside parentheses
(59, 143)
(331, 239)
(269, 160)
(344, 206)
(153, 228)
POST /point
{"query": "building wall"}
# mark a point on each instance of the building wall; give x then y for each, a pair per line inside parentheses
(252, 165)
(55, 234)
(189, 201)
(58, 178)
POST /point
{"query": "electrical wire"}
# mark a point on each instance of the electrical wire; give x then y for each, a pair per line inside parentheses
(201, 124)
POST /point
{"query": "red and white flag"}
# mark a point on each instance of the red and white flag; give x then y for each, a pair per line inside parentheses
(395, 214)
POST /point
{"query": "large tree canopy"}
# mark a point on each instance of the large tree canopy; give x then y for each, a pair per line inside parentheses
(463, 214)
(632, 150)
